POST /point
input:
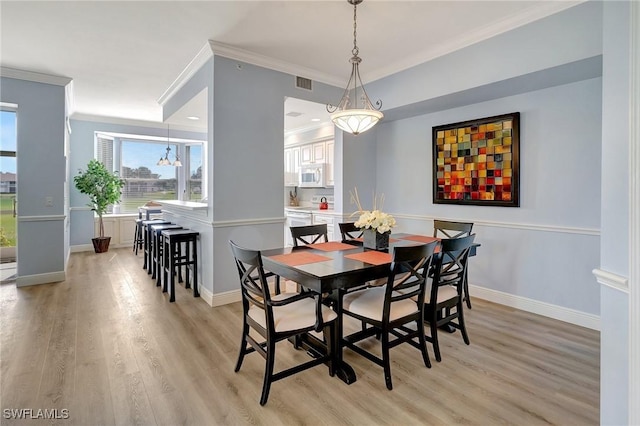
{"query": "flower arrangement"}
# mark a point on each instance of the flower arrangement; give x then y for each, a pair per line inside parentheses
(374, 219)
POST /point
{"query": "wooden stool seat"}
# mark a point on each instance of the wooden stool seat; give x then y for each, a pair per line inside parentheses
(174, 259)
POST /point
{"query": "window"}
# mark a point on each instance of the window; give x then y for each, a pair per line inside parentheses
(8, 179)
(136, 158)
(194, 179)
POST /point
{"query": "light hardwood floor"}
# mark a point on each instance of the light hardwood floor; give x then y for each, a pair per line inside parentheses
(108, 346)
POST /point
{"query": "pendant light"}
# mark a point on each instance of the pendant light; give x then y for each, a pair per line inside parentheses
(165, 161)
(362, 115)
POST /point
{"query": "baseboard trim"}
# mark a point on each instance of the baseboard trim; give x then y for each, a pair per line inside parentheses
(89, 247)
(37, 279)
(549, 310)
(225, 298)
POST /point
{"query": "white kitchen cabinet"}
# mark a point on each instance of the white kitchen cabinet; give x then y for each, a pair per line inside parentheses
(330, 158)
(319, 218)
(291, 166)
(313, 153)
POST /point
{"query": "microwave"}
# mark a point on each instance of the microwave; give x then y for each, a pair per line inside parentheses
(312, 175)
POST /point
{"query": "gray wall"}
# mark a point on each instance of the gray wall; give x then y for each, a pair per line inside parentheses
(41, 173)
(248, 150)
(560, 192)
(614, 257)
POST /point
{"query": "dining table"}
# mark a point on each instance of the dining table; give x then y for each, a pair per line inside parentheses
(331, 269)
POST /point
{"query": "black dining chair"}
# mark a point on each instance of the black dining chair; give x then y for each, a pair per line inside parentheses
(451, 229)
(277, 318)
(350, 232)
(444, 294)
(387, 310)
(309, 234)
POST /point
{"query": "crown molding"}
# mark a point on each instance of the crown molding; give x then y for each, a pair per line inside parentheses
(117, 120)
(36, 77)
(542, 10)
(192, 67)
(247, 56)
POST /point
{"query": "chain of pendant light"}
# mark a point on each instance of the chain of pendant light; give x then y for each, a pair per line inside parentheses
(355, 50)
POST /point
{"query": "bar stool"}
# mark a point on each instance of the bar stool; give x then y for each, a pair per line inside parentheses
(173, 258)
(156, 264)
(146, 231)
(138, 237)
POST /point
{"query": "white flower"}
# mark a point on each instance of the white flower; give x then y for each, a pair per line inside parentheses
(373, 219)
(376, 220)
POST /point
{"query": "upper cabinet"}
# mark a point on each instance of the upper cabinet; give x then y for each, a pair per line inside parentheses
(329, 152)
(313, 153)
(291, 166)
(308, 154)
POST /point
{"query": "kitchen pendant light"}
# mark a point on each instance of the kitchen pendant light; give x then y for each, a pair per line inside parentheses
(362, 115)
(165, 161)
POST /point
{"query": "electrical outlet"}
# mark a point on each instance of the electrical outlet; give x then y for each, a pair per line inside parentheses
(48, 201)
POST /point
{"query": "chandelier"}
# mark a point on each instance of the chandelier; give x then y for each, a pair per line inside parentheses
(165, 161)
(362, 115)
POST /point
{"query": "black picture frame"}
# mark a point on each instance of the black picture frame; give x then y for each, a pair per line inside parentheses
(476, 166)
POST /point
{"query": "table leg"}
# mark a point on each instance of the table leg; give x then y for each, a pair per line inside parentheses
(344, 371)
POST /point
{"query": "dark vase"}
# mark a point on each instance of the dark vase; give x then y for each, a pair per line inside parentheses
(372, 239)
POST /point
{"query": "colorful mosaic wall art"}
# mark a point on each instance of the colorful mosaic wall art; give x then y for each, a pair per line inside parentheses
(477, 162)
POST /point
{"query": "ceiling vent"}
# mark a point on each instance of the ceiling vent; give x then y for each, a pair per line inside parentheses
(303, 83)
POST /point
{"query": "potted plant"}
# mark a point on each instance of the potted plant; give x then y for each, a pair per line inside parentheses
(103, 188)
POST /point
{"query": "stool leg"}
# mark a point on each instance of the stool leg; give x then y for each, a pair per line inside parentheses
(195, 267)
(172, 277)
(160, 261)
(166, 262)
(187, 259)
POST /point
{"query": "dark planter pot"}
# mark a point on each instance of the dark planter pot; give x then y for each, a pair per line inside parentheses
(374, 240)
(101, 244)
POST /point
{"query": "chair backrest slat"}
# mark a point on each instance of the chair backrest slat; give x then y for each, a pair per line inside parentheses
(449, 229)
(450, 267)
(349, 231)
(253, 282)
(309, 234)
(408, 274)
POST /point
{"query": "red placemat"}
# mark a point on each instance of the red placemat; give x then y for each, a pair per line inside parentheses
(421, 238)
(331, 246)
(299, 258)
(373, 257)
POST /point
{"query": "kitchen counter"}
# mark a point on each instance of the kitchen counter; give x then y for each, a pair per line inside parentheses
(188, 205)
(308, 209)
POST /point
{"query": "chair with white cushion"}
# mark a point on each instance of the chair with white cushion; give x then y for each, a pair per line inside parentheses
(387, 310)
(444, 294)
(277, 318)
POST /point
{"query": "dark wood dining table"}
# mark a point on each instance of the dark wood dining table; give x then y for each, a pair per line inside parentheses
(333, 268)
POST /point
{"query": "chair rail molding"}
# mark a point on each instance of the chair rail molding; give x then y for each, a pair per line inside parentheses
(43, 218)
(512, 225)
(248, 222)
(612, 280)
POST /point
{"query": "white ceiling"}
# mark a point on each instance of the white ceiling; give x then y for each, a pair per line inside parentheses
(122, 56)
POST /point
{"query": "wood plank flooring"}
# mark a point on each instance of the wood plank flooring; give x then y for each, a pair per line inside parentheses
(108, 346)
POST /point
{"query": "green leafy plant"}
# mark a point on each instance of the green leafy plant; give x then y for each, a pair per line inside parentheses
(102, 186)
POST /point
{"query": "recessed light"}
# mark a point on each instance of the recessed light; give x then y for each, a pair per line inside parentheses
(315, 119)
(193, 117)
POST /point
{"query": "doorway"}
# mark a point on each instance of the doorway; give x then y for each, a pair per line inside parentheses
(8, 194)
